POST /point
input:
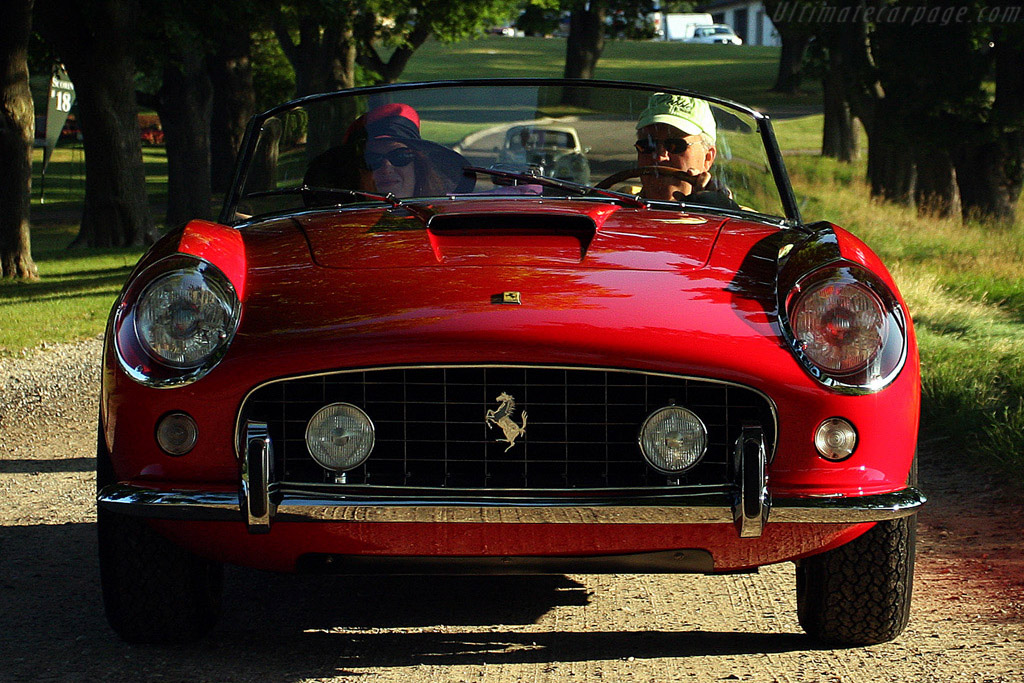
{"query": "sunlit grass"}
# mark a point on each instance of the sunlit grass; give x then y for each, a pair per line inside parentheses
(799, 134)
(965, 292)
(970, 259)
(741, 73)
(63, 186)
(72, 297)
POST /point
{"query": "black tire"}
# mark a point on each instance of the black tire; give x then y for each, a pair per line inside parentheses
(104, 469)
(859, 593)
(153, 590)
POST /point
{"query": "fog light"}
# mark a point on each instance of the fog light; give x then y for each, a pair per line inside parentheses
(673, 439)
(177, 433)
(340, 437)
(835, 439)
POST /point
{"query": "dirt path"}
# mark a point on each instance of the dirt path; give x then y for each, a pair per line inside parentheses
(967, 624)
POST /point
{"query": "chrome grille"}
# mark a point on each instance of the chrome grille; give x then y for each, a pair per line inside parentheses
(581, 429)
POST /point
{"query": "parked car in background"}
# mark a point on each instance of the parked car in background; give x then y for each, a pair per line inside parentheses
(715, 34)
(406, 348)
(548, 149)
(506, 31)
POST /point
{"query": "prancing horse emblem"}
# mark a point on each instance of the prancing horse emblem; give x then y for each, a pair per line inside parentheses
(503, 418)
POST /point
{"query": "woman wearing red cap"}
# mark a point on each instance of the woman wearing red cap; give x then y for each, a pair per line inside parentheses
(402, 162)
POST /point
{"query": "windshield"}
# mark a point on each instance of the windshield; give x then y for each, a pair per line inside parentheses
(503, 139)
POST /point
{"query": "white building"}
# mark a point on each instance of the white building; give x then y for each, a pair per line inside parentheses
(749, 20)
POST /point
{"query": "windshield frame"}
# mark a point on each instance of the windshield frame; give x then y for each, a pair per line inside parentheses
(771, 148)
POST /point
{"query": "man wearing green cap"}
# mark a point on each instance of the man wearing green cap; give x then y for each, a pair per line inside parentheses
(678, 132)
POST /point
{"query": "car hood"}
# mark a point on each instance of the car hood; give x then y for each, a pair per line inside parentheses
(675, 291)
(545, 232)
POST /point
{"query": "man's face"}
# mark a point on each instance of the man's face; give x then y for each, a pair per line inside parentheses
(663, 146)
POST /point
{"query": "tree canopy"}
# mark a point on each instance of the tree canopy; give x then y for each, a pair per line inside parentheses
(938, 88)
(196, 61)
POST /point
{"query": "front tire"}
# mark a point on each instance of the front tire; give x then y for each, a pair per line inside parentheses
(859, 593)
(153, 590)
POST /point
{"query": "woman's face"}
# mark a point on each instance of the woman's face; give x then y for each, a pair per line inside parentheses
(393, 167)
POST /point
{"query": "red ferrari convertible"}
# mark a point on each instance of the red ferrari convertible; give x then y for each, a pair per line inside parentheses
(400, 351)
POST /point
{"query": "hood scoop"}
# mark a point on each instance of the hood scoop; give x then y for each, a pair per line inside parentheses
(511, 237)
(531, 234)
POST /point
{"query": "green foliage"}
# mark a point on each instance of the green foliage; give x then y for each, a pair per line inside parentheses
(629, 19)
(272, 75)
(454, 21)
(679, 6)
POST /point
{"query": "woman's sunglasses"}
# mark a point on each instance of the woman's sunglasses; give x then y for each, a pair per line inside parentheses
(649, 145)
(396, 157)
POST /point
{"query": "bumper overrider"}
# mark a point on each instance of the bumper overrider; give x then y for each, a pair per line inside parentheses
(747, 503)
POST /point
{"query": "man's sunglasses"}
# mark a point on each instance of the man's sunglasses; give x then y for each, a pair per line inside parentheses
(396, 157)
(649, 145)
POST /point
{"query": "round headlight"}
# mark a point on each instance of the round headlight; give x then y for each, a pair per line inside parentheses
(182, 318)
(673, 439)
(340, 437)
(841, 325)
(835, 439)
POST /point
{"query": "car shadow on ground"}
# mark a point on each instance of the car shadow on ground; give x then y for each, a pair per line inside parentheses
(389, 649)
(296, 627)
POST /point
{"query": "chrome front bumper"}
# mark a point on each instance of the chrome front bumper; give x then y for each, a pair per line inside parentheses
(306, 504)
(259, 501)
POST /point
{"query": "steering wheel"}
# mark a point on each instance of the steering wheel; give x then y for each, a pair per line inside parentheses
(639, 171)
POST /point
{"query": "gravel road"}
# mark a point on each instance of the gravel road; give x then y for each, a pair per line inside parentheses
(967, 624)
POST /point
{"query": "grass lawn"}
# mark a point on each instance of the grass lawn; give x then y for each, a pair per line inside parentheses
(963, 283)
(965, 290)
(73, 296)
(737, 72)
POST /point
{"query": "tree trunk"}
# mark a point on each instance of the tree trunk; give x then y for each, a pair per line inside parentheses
(989, 178)
(17, 129)
(791, 60)
(95, 43)
(991, 172)
(891, 170)
(324, 57)
(234, 102)
(184, 107)
(583, 48)
(389, 71)
(585, 43)
(324, 60)
(839, 137)
(935, 191)
(263, 168)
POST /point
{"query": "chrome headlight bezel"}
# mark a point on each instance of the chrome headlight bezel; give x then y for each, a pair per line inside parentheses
(878, 369)
(137, 355)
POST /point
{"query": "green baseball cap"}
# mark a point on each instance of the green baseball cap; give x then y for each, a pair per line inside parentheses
(689, 114)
